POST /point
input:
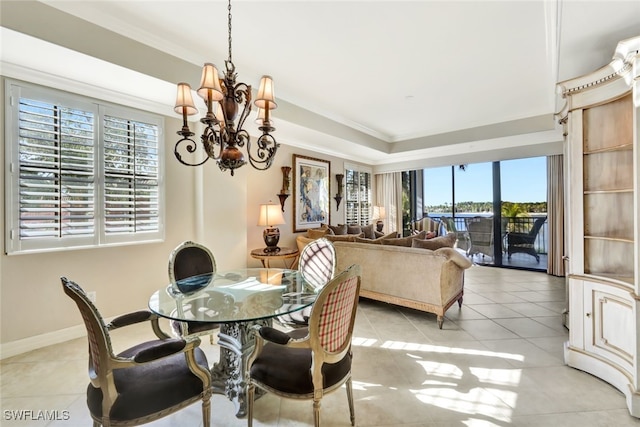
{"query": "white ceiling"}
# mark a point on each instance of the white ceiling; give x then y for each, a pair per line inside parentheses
(407, 78)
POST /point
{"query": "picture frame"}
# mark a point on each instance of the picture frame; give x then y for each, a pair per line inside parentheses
(311, 191)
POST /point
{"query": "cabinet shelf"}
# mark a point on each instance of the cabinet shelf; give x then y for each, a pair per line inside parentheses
(621, 147)
(611, 239)
(618, 191)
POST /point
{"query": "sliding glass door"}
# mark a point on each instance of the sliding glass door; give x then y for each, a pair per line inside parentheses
(496, 209)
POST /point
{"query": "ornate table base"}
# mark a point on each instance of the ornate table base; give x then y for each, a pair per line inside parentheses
(228, 375)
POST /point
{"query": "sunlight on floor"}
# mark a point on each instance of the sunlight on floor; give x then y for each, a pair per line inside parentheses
(444, 381)
(400, 345)
(477, 401)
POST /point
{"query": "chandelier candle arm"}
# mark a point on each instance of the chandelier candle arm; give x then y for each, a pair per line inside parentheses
(223, 137)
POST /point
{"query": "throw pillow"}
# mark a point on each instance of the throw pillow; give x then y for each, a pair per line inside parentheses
(338, 229)
(368, 231)
(377, 241)
(436, 243)
(354, 229)
(343, 237)
(404, 241)
(317, 233)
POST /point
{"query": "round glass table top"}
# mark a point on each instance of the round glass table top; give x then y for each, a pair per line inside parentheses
(234, 296)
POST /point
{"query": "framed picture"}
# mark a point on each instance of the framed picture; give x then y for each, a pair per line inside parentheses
(311, 178)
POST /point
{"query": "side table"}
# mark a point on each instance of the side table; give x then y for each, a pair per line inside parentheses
(288, 256)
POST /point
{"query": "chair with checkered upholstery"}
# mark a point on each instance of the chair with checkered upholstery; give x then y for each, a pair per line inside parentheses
(308, 363)
(317, 266)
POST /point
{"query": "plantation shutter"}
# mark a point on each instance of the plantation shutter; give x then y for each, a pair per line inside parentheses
(358, 197)
(79, 173)
(131, 172)
(56, 171)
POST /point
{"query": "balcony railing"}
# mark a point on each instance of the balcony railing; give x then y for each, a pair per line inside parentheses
(519, 224)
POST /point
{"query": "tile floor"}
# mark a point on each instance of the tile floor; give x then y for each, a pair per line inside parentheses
(497, 362)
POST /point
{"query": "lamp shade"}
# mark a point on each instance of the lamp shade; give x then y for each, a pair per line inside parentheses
(270, 214)
(266, 96)
(210, 83)
(184, 100)
(379, 212)
(263, 116)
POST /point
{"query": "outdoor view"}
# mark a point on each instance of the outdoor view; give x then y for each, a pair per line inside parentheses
(469, 188)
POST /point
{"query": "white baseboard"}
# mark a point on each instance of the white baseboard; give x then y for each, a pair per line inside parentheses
(13, 348)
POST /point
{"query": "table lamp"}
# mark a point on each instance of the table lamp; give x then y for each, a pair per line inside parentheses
(270, 215)
(379, 214)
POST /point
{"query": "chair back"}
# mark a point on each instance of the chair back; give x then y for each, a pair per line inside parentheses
(537, 225)
(100, 349)
(333, 317)
(318, 262)
(190, 259)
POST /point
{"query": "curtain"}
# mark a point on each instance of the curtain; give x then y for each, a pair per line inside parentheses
(389, 195)
(555, 209)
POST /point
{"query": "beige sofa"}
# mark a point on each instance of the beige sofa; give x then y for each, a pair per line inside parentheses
(417, 278)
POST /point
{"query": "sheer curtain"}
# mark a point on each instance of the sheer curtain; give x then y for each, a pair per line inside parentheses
(555, 212)
(389, 195)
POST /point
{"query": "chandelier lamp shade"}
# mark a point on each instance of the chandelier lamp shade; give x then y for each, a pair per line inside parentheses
(228, 105)
(270, 216)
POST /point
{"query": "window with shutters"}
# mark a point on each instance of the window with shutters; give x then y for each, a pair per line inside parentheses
(79, 173)
(358, 195)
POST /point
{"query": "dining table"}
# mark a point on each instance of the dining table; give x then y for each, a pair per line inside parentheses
(238, 301)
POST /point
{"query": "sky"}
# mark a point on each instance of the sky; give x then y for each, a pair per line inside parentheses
(522, 180)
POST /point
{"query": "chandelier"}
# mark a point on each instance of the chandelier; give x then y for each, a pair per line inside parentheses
(223, 137)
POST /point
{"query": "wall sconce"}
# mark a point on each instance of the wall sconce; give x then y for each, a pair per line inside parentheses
(338, 196)
(284, 192)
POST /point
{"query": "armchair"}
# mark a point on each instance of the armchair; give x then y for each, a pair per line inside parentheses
(480, 231)
(524, 242)
(145, 382)
(308, 363)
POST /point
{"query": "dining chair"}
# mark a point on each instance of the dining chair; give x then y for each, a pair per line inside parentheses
(190, 259)
(317, 265)
(145, 382)
(311, 362)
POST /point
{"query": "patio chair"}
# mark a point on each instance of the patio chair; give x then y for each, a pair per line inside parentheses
(480, 231)
(462, 237)
(524, 242)
(309, 363)
(145, 382)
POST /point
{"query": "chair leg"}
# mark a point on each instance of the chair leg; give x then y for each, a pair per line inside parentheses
(352, 412)
(251, 390)
(440, 321)
(316, 412)
(206, 410)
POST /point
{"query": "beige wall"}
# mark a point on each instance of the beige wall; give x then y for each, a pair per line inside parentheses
(203, 204)
(264, 186)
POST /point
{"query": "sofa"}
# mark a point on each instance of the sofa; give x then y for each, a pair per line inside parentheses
(403, 274)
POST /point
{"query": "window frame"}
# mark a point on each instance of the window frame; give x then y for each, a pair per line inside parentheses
(14, 243)
(362, 218)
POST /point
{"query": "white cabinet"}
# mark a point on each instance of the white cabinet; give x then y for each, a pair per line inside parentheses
(602, 158)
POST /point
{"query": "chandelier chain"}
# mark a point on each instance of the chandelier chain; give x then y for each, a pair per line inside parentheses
(229, 9)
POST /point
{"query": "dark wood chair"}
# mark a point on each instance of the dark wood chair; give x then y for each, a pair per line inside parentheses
(308, 363)
(145, 382)
(524, 242)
